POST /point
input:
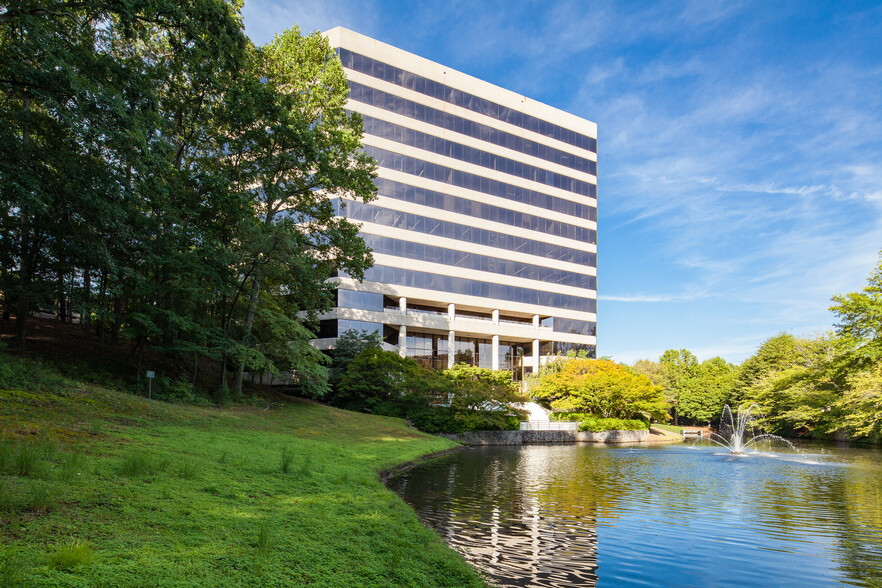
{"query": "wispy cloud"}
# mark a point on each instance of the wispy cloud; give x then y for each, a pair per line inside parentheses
(740, 144)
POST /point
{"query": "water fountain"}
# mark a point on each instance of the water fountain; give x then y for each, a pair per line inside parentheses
(741, 431)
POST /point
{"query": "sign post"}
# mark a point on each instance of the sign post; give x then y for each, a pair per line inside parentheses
(150, 375)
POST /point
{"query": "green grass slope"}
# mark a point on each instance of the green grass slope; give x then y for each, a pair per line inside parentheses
(101, 488)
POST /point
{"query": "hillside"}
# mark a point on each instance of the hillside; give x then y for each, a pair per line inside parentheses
(100, 487)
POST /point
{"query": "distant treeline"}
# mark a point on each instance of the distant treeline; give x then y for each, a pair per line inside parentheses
(167, 182)
(813, 387)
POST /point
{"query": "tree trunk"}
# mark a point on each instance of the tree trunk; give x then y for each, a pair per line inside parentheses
(23, 310)
(249, 323)
(62, 301)
(117, 319)
(24, 280)
(86, 318)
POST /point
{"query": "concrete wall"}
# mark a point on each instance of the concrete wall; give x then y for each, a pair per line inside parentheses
(546, 437)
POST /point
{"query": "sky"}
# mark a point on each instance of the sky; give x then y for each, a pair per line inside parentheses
(739, 146)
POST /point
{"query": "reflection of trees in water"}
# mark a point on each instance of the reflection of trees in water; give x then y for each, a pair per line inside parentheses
(529, 515)
(859, 522)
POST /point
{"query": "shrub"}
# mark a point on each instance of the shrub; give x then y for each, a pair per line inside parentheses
(596, 424)
(374, 376)
(443, 419)
(169, 390)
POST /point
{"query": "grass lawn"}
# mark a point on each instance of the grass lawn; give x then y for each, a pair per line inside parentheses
(102, 488)
(670, 428)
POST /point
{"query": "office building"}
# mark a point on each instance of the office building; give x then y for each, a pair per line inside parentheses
(484, 231)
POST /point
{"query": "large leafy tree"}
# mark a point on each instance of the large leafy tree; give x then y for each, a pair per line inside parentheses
(681, 372)
(97, 103)
(704, 401)
(295, 154)
(860, 319)
(601, 387)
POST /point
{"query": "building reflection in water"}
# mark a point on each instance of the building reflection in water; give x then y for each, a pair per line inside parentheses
(512, 513)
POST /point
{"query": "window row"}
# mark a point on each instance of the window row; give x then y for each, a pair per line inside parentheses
(473, 261)
(411, 81)
(360, 300)
(335, 327)
(439, 146)
(416, 279)
(488, 212)
(561, 348)
(454, 177)
(562, 325)
(457, 124)
(422, 224)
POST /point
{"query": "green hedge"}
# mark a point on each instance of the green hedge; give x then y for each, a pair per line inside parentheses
(590, 422)
(440, 419)
(601, 424)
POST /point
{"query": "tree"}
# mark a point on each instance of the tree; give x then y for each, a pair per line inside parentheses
(860, 320)
(601, 387)
(705, 398)
(481, 389)
(349, 344)
(773, 356)
(653, 370)
(375, 376)
(80, 96)
(681, 371)
(861, 405)
(301, 150)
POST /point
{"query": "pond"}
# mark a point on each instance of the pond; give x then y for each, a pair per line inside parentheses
(677, 515)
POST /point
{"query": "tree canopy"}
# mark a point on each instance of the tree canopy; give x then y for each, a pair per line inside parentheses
(600, 387)
(166, 181)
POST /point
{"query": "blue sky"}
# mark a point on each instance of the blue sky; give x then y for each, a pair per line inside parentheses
(739, 146)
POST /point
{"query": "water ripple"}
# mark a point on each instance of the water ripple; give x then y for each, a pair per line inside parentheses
(582, 515)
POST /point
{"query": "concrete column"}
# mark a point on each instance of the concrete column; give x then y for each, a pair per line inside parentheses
(495, 317)
(536, 320)
(451, 311)
(494, 362)
(402, 340)
(535, 356)
(451, 346)
(402, 304)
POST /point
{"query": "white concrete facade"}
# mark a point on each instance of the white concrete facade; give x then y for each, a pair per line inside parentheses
(484, 229)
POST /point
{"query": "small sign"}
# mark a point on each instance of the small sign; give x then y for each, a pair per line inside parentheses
(151, 374)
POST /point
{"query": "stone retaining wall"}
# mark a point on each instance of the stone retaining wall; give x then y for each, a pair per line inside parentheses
(545, 437)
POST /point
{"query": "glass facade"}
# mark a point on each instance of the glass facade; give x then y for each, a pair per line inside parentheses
(455, 177)
(474, 155)
(439, 146)
(484, 211)
(450, 122)
(491, 290)
(466, 233)
(484, 263)
(411, 81)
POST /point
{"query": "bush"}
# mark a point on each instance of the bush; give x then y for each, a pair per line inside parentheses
(596, 424)
(442, 419)
(170, 390)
